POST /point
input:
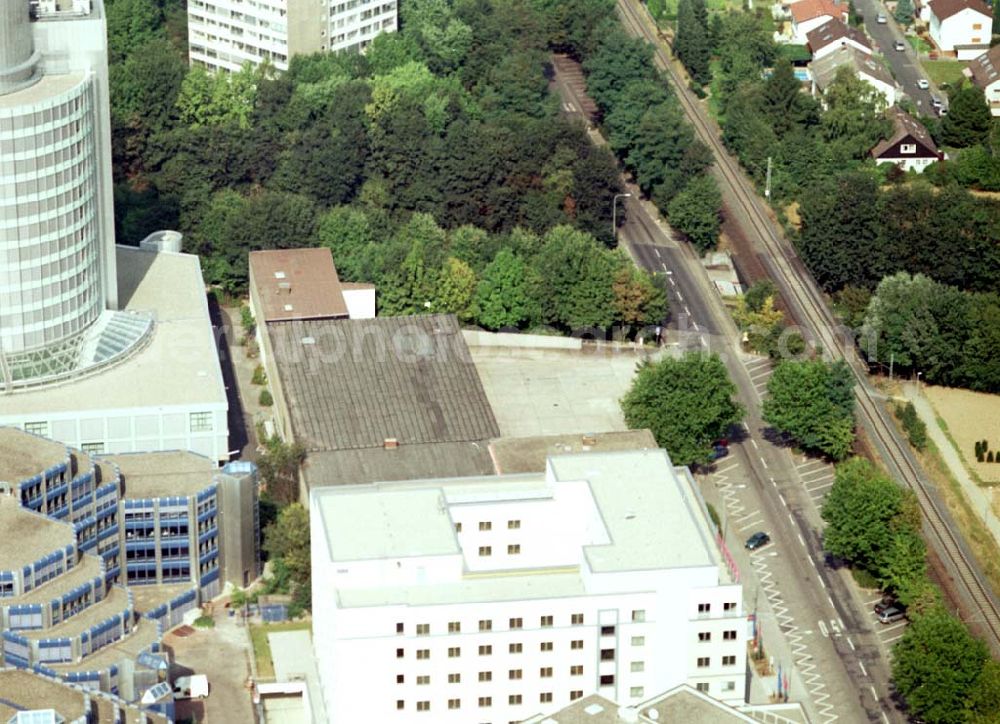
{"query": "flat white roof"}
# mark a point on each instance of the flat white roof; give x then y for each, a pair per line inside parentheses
(179, 366)
(653, 516)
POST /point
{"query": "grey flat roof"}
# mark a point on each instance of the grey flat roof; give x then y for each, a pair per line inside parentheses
(406, 462)
(35, 535)
(144, 636)
(148, 596)
(115, 602)
(23, 455)
(528, 454)
(161, 474)
(31, 691)
(351, 384)
(86, 569)
(179, 365)
(46, 87)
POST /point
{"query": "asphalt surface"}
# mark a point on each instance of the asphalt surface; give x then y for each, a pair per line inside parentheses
(905, 66)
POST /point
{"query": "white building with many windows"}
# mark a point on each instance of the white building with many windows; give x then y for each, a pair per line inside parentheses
(225, 34)
(489, 599)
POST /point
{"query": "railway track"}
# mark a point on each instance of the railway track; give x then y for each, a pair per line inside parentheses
(809, 307)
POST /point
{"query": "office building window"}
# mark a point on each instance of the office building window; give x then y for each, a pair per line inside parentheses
(576, 644)
(729, 686)
(201, 421)
(576, 619)
(728, 635)
(454, 678)
(423, 653)
(705, 608)
(400, 653)
(92, 448)
(545, 646)
(37, 428)
(485, 551)
(513, 524)
(545, 672)
(399, 628)
(400, 704)
(485, 701)
(636, 692)
(546, 621)
(515, 648)
(729, 661)
(486, 676)
(576, 670)
(400, 678)
(514, 699)
(423, 680)
(545, 697)
(638, 640)
(514, 674)
(485, 525)
(454, 652)
(607, 654)
(729, 606)
(486, 624)
(608, 680)
(638, 616)
(638, 666)
(607, 630)
(454, 627)
(516, 623)
(704, 637)
(703, 661)
(702, 686)
(485, 650)
(454, 703)
(514, 549)
(423, 629)
(423, 706)
(574, 695)
(458, 527)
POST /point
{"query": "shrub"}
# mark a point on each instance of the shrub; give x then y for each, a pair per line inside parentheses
(204, 622)
(247, 321)
(265, 398)
(259, 376)
(915, 428)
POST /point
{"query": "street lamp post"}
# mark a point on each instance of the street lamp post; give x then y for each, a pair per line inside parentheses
(614, 214)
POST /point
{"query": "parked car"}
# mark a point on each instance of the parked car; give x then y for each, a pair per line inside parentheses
(923, 84)
(886, 602)
(881, 19)
(757, 540)
(936, 102)
(942, 111)
(899, 45)
(892, 614)
(718, 451)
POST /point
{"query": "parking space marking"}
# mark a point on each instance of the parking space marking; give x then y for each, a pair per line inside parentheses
(874, 693)
(863, 669)
(656, 251)
(850, 643)
(763, 461)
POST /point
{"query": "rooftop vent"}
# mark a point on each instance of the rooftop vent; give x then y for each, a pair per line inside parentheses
(628, 714)
(288, 307)
(279, 275)
(390, 443)
(308, 340)
(589, 440)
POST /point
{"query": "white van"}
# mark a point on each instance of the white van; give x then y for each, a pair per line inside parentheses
(191, 687)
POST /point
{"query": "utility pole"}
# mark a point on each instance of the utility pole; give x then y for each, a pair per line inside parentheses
(614, 214)
(892, 359)
(767, 186)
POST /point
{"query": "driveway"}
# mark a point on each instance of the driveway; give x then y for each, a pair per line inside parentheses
(905, 66)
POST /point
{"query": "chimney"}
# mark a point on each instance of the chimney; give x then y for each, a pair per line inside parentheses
(390, 443)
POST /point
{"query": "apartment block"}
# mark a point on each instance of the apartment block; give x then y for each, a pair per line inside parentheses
(226, 34)
(491, 599)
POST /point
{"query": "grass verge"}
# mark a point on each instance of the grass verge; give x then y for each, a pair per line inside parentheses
(262, 649)
(944, 71)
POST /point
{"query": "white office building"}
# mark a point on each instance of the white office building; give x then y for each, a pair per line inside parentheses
(226, 34)
(491, 599)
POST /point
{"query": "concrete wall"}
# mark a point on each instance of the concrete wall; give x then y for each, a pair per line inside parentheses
(239, 524)
(475, 338)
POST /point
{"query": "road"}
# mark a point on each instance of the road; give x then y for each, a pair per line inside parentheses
(839, 659)
(819, 326)
(905, 66)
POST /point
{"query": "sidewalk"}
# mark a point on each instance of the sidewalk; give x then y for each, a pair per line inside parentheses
(978, 498)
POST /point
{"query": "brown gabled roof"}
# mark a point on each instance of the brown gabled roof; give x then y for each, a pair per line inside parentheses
(944, 9)
(835, 31)
(903, 125)
(985, 69)
(297, 284)
(809, 9)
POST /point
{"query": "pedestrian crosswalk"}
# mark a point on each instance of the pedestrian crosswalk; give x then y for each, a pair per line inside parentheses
(816, 475)
(759, 369)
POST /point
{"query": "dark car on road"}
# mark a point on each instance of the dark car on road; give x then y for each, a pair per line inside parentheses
(757, 540)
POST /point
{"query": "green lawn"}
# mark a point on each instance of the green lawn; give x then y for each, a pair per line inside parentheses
(944, 71)
(262, 649)
(918, 44)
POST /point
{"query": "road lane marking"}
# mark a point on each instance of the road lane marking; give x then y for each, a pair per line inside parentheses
(664, 269)
(801, 540)
(657, 252)
(680, 296)
(850, 643)
(754, 443)
(672, 282)
(687, 310)
(885, 718)
(695, 326)
(822, 629)
(791, 519)
(821, 582)
(828, 596)
(783, 501)
(841, 622)
(763, 461)
(863, 669)
(744, 517)
(874, 693)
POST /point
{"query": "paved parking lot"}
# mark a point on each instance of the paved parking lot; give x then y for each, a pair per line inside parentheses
(223, 653)
(551, 392)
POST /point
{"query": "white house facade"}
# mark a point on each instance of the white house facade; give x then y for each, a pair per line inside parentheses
(961, 26)
(496, 598)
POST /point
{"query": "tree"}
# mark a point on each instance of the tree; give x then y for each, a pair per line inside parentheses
(573, 280)
(904, 12)
(640, 298)
(279, 470)
(686, 402)
(854, 121)
(968, 121)
(287, 540)
(812, 401)
(131, 25)
(936, 666)
(212, 100)
(455, 288)
(502, 297)
(695, 212)
(758, 319)
(693, 43)
(348, 233)
(783, 101)
(984, 701)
